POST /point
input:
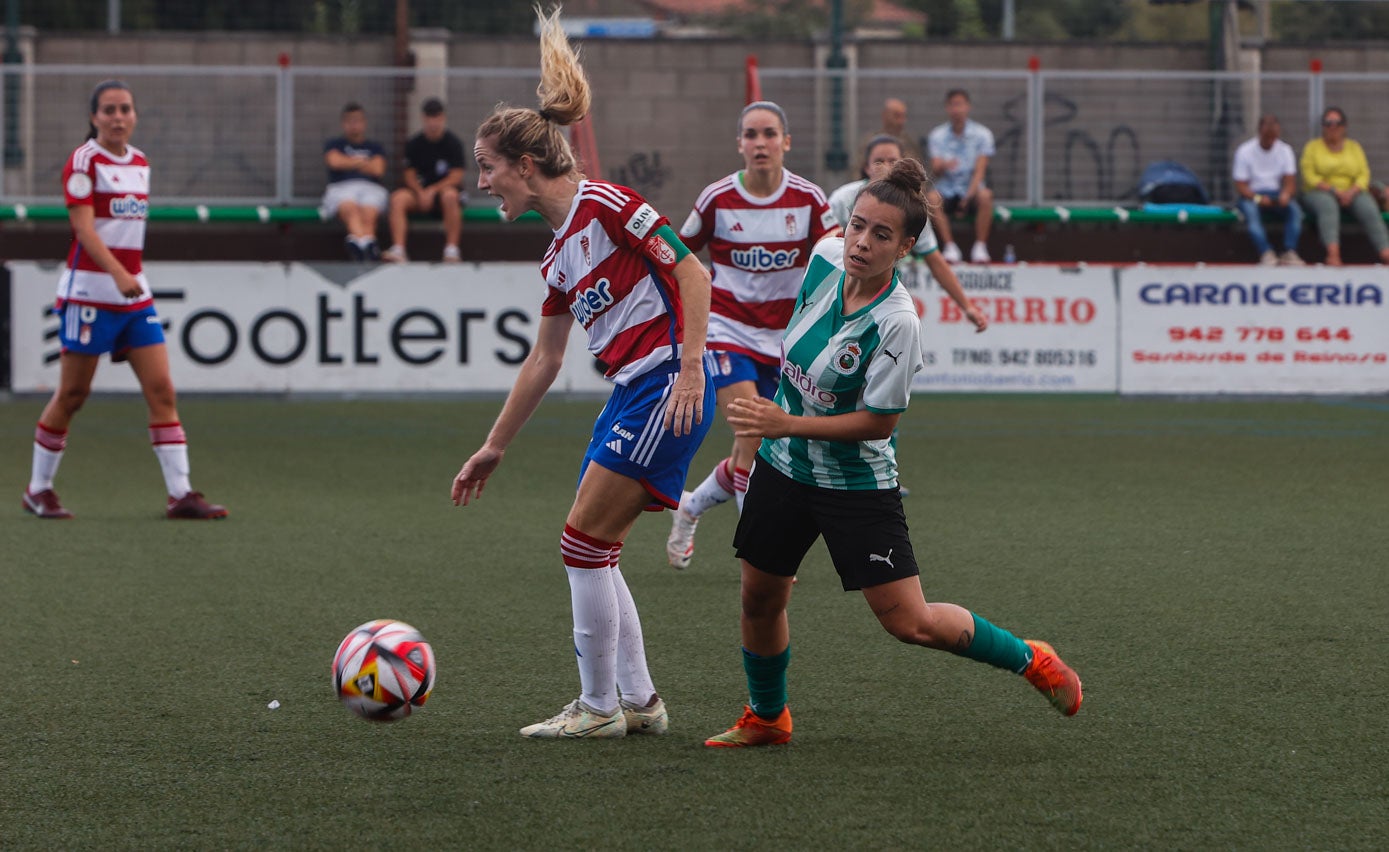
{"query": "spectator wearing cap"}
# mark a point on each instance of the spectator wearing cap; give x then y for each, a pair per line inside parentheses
(433, 178)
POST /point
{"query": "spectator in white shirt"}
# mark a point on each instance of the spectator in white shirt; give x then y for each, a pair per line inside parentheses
(1265, 174)
(960, 150)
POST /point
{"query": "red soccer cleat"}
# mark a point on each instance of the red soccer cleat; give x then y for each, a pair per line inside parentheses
(192, 506)
(45, 505)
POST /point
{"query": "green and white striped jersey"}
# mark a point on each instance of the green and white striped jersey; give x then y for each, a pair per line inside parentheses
(834, 364)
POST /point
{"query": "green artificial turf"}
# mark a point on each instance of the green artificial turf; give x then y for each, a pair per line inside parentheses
(1216, 572)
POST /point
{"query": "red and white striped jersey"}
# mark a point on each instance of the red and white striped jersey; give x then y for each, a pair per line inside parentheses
(118, 190)
(609, 268)
(759, 248)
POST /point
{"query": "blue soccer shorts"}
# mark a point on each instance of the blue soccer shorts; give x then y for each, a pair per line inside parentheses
(732, 367)
(628, 437)
(90, 330)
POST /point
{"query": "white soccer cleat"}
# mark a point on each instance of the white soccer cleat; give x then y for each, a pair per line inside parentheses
(579, 721)
(680, 544)
(646, 720)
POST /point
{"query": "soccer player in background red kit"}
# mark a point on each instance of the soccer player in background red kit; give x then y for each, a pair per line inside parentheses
(760, 224)
(105, 305)
(617, 269)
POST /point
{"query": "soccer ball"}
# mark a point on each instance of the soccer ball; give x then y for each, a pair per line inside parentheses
(383, 670)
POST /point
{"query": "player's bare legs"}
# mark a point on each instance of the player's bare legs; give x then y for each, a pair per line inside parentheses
(76, 372)
(728, 479)
(151, 366)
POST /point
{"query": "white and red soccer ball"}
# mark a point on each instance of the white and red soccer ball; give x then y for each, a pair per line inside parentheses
(383, 670)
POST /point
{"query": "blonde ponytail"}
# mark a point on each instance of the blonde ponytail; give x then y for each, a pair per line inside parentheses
(565, 96)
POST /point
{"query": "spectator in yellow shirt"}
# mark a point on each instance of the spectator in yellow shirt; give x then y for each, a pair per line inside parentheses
(1336, 175)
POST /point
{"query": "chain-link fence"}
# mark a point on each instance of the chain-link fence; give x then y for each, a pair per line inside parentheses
(238, 134)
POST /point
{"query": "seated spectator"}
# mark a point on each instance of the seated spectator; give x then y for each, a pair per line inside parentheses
(960, 150)
(433, 179)
(895, 125)
(355, 193)
(1265, 175)
(1336, 176)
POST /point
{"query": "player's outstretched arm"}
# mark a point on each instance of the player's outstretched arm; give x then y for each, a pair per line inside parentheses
(537, 374)
(941, 271)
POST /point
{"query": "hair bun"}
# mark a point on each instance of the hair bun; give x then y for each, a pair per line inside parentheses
(907, 173)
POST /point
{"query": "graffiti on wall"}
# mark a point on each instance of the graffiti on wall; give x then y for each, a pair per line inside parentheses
(643, 172)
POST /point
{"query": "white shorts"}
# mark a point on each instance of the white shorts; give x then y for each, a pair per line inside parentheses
(365, 193)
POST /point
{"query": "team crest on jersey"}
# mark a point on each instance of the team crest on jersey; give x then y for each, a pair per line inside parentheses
(790, 224)
(660, 250)
(588, 255)
(846, 360)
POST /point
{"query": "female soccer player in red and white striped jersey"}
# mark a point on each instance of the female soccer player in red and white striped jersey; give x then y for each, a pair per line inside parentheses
(760, 224)
(618, 269)
(105, 305)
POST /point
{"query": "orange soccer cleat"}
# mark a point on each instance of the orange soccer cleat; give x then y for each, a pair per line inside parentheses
(753, 730)
(1053, 678)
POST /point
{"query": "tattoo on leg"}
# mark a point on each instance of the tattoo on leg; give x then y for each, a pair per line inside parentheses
(886, 610)
(962, 644)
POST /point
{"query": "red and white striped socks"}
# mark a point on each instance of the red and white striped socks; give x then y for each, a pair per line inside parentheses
(587, 561)
(740, 485)
(720, 486)
(48, 452)
(171, 448)
(607, 630)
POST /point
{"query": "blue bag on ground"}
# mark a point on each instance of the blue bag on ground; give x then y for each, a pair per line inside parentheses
(1170, 182)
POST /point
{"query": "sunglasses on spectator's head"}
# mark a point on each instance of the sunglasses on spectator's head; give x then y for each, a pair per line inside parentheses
(1332, 122)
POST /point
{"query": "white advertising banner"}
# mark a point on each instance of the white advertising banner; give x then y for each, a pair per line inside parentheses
(326, 327)
(1051, 329)
(1243, 329)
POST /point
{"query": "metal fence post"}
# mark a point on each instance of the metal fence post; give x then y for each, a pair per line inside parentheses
(1316, 98)
(284, 132)
(1036, 121)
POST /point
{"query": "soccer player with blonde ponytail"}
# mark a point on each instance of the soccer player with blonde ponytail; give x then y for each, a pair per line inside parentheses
(617, 269)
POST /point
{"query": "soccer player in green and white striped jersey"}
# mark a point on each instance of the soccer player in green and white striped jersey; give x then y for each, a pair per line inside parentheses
(826, 467)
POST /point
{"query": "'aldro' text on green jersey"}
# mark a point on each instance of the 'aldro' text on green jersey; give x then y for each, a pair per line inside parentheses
(832, 363)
